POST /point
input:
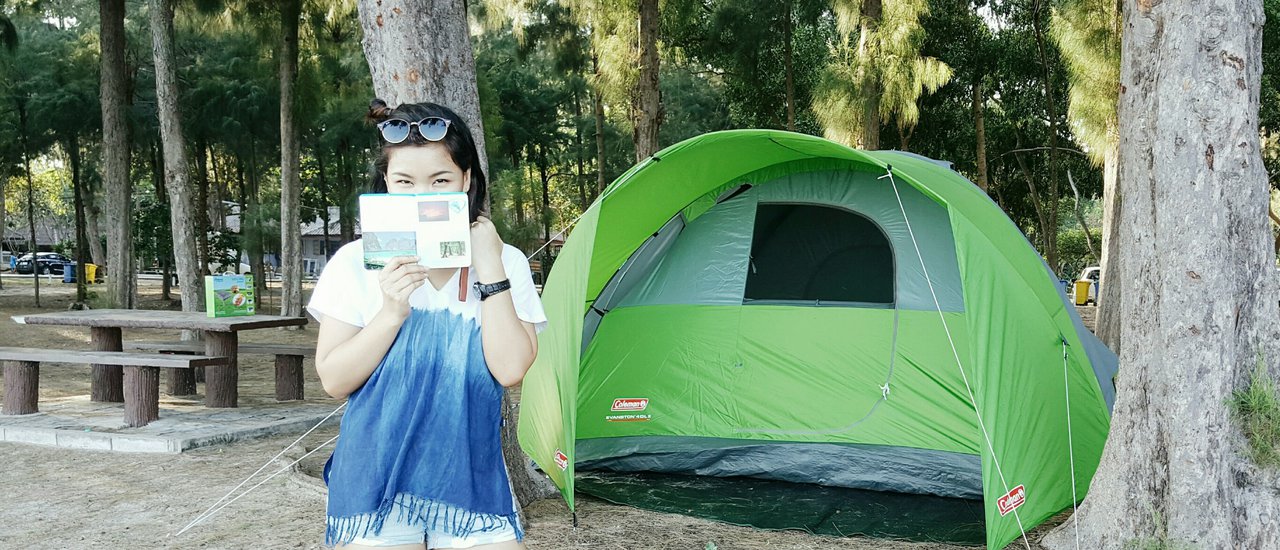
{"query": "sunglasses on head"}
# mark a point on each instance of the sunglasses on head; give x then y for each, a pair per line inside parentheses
(397, 130)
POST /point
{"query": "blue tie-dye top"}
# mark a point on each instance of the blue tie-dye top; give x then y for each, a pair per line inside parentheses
(421, 437)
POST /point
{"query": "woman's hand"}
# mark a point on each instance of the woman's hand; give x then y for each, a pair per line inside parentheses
(486, 246)
(398, 279)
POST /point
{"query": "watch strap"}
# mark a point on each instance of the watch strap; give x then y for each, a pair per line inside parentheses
(492, 288)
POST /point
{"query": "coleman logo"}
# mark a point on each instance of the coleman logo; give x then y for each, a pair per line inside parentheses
(1011, 501)
(561, 460)
(630, 404)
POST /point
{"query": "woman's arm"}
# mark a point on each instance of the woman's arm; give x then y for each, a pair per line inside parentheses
(510, 345)
(346, 355)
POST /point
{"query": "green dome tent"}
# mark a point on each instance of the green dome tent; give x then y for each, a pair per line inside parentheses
(773, 305)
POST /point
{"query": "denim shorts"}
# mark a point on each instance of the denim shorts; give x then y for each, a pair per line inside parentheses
(395, 532)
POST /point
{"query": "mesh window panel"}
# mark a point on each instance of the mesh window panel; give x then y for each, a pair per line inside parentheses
(812, 253)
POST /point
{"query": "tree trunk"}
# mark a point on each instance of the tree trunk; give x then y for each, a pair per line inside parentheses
(202, 206)
(115, 156)
(1047, 230)
(177, 173)
(4, 231)
(290, 185)
(868, 27)
(1199, 308)
(31, 197)
(1109, 297)
(82, 239)
(346, 208)
(790, 68)
(1051, 244)
(647, 111)
(980, 130)
(91, 215)
(252, 228)
(324, 199)
(599, 111)
(420, 50)
(1088, 237)
(579, 161)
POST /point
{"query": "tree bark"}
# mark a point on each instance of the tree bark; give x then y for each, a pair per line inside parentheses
(980, 131)
(1109, 297)
(115, 156)
(790, 68)
(91, 215)
(647, 110)
(82, 239)
(202, 206)
(325, 200)
(31, 197)
(869, 25)
(599, 111)
(420, 50)
(1051, 243)
(1199, 308)
(1084, 225)
(177, 172)
(290, 184)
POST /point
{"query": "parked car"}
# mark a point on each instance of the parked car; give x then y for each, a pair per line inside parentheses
(46, 263)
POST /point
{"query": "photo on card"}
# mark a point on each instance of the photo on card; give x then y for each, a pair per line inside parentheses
(381, 246)
(453, 249)
(433, 211)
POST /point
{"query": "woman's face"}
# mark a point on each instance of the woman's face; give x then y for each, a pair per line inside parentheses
(424, 169)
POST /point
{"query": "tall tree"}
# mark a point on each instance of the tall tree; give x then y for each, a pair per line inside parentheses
(881, 77)
(420, 50)
(177, 170)
(1088, 35)
(290, 184)
(647, 109)
(115, 155)
(1199, 313)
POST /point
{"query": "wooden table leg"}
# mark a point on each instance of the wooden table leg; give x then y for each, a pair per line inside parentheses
(142, 395)
(220, 382)
(21, 387)
(182, 381)
(107, 379)
(288, 377)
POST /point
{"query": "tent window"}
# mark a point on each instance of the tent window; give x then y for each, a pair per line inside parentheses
(810, 253)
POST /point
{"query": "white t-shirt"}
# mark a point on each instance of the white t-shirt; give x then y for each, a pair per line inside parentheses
(350, 293)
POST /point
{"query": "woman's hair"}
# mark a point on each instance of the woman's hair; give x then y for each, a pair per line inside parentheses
(458, 141)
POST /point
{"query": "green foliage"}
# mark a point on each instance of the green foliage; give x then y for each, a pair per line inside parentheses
(1257, 410)
(1088, 34)
(876, 60)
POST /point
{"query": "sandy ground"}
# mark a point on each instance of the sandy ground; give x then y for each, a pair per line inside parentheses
(61, 498)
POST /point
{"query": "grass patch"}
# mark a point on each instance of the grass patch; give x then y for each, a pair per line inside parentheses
(1257, 409)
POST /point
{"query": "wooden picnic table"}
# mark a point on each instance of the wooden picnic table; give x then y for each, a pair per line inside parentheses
(220, 340)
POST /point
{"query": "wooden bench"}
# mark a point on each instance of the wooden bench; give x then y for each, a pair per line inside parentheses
(141, 377)
(288, 361)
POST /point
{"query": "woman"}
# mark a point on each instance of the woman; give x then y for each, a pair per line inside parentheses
(419, 453)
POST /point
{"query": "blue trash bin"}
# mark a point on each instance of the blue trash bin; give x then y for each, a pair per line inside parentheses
(68, 272)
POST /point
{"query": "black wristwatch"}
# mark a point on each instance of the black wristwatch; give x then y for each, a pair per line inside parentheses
(485, 291)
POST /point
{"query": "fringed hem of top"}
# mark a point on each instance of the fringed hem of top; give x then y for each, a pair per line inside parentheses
(430, 514)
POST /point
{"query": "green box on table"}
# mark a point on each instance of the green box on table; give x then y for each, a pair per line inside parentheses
(228, 295)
